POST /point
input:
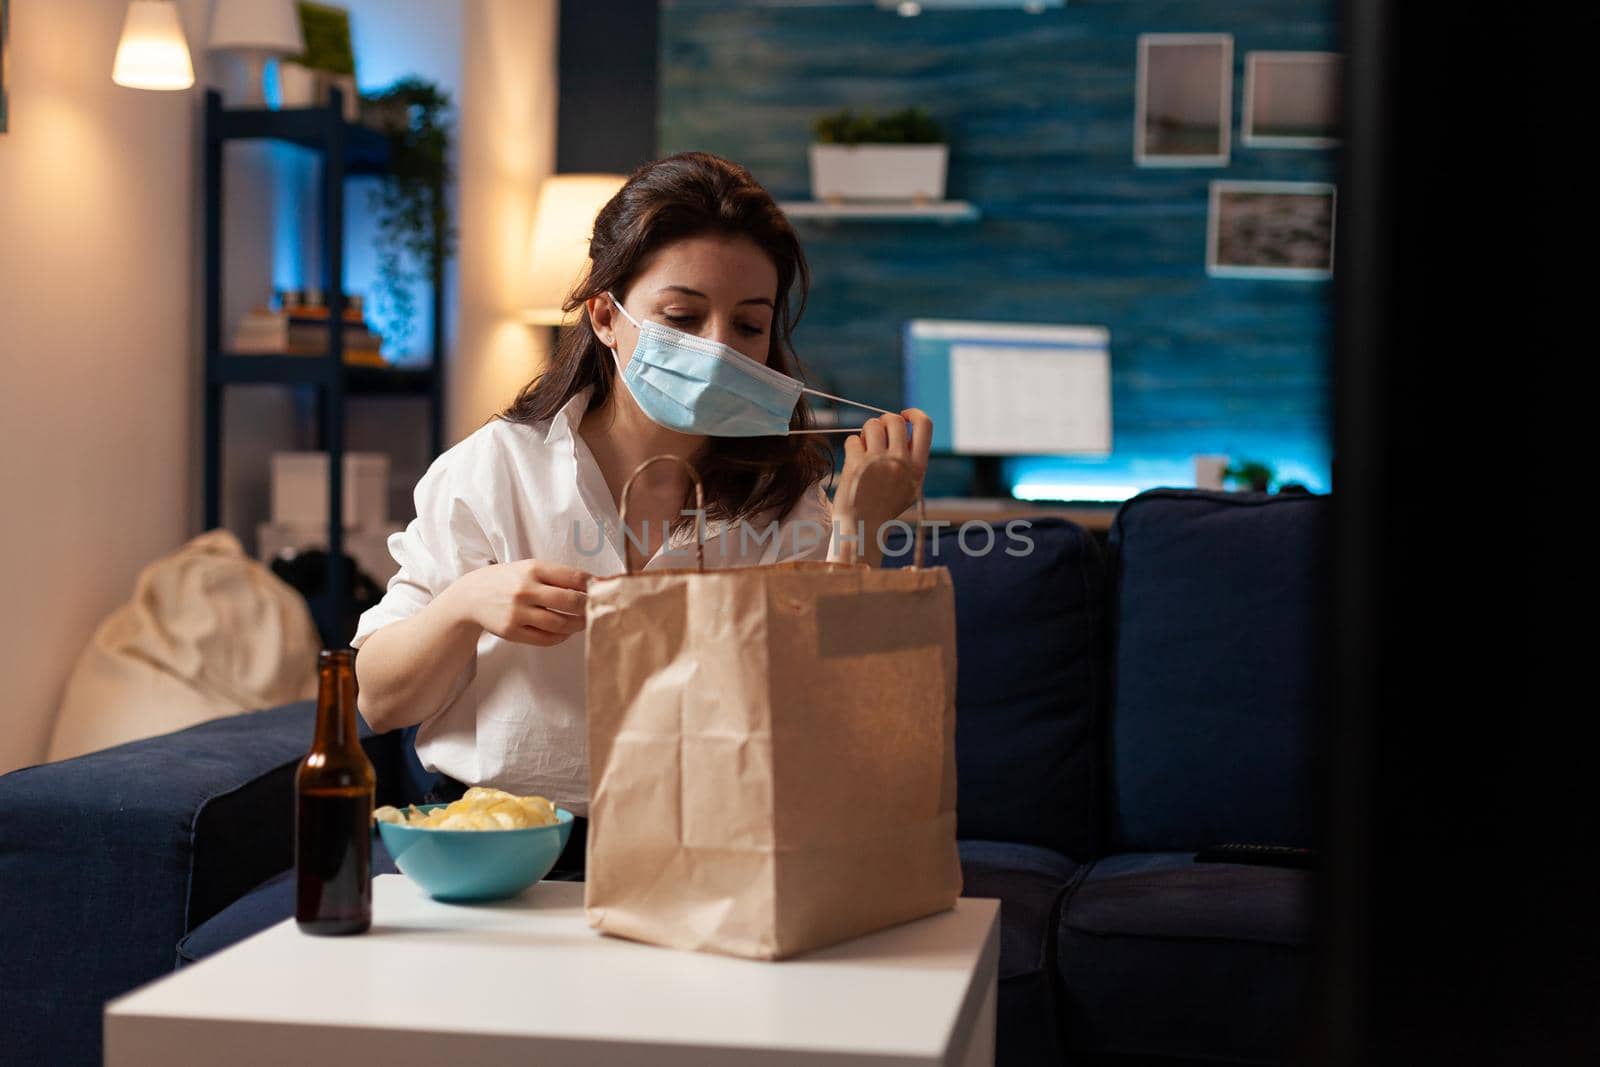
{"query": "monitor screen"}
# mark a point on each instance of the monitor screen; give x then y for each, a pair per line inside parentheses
(1003, 388)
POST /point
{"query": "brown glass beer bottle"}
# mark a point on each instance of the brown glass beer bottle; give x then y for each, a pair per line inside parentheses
(334, 788)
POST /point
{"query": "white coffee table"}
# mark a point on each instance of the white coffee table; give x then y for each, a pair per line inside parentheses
(527, 981)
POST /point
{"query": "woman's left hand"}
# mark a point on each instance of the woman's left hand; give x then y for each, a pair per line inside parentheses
(867, 502)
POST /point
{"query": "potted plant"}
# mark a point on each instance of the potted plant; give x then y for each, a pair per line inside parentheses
(900, 156)
(328, 61)
(412, 204)
(1256, 475)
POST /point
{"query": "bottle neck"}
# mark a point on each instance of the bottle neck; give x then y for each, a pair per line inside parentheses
(336, 706)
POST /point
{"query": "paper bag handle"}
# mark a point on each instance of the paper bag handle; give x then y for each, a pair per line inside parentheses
(922, 503)
(699, 508)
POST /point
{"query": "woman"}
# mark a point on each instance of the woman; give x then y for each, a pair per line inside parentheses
(692, 270)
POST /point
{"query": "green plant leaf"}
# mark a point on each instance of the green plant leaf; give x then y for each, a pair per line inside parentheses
(411, 203)
(1254, 473)
(327, 32)
(907, 126)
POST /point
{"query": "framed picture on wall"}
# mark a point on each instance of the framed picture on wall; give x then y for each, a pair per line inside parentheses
(1276, 230)
(1183, 100)
(1291, 99)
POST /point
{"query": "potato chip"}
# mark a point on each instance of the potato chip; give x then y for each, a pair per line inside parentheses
(480, 808)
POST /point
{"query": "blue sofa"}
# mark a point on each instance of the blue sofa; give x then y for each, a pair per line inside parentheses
(1117, 712)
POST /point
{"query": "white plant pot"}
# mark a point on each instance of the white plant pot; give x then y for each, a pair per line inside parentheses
(297, 85)
(878, 171)
(300, 86)
(346, 84)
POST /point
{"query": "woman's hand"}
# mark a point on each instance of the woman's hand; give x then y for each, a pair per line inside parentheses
(871, 492)
(531, 601)
(408, 668)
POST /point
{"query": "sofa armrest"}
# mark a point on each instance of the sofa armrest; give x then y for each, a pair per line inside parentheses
(107, 860)
(244, 834)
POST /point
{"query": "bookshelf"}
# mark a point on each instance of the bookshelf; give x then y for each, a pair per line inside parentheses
(346, 150)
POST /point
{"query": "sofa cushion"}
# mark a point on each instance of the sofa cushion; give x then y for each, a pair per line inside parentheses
(1162, 956)
(1029, 679)
(1030, 883)
(1216, 622)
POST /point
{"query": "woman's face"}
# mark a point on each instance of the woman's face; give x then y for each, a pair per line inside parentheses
(717, 287)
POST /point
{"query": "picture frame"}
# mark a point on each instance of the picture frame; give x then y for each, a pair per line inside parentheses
(1280, 231)
(5, 36)
(1183, 100)
(1291, 99)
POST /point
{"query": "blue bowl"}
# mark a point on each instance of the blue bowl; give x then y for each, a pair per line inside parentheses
(454, 865)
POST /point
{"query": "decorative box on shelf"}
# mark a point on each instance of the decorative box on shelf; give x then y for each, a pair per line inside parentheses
(300, 489)
(262, 331)
(308, 332)
(302, 330)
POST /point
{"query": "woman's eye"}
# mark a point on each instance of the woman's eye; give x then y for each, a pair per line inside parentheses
(680, 320)
(751, 331)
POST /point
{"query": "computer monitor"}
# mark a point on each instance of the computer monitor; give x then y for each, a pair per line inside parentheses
(1004, 388)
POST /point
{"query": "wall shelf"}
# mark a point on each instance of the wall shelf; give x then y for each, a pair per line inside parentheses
(365, 150)
(232, 368)
(946, 211)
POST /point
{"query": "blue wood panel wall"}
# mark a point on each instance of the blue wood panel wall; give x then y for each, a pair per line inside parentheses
(1039, 114)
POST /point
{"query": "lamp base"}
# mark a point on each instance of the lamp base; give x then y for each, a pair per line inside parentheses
(245, 84)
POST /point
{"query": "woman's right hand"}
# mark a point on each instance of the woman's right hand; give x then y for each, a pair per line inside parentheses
(530, 601)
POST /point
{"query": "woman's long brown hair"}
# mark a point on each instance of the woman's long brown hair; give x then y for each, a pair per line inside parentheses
(688, 195)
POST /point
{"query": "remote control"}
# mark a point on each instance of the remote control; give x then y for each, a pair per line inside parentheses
(1259, 855)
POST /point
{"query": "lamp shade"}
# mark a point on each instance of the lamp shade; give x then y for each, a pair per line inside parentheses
(153, 52)
(262, 25)
(559, 250)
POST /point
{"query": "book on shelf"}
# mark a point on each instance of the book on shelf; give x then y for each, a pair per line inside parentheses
(304, 332)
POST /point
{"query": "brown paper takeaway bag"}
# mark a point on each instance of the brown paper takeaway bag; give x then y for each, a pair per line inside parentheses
(771, 754)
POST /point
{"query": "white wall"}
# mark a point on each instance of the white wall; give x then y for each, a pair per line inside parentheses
(100, 299)
(97, 344)
(508, 145)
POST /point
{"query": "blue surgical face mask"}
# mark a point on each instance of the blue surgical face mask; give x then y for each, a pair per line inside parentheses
(692, 385)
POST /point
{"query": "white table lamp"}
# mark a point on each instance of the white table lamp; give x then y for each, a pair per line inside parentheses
(255, 30)
(153, 52)
(559, 249)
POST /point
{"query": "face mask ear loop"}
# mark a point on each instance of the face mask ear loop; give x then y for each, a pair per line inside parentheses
(842, 400)
(618, 305)
(829, 429)
(922, 506)
(616, 358)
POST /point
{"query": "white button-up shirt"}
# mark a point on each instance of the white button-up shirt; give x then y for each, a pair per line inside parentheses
(511, 491)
